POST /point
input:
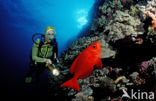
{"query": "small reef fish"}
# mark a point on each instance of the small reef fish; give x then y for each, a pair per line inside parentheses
(84, 64)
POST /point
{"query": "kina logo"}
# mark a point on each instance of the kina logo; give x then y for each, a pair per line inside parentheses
(138, 95)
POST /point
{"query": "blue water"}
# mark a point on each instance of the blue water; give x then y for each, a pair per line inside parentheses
(20, 19)
(31, 16)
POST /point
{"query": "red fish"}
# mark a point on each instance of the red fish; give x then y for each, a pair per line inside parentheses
(84, 64)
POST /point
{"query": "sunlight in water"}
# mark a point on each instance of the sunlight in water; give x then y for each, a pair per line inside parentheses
(82, 17)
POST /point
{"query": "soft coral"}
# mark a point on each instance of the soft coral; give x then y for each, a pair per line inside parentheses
(150, 14)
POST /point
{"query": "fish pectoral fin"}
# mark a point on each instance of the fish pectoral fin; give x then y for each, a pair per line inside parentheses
(72, 83)
(99, 64)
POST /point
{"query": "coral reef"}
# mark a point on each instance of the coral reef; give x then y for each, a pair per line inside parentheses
(115, 23)
(106, 10)
(122, 25)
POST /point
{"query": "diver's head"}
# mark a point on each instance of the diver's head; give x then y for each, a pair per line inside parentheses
(49, 33)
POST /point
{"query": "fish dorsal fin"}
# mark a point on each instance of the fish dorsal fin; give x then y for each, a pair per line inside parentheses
(74, 64)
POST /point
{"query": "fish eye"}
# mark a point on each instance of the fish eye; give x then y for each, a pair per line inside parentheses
(94, 46)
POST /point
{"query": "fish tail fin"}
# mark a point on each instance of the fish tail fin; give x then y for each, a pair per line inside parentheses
(72, 83)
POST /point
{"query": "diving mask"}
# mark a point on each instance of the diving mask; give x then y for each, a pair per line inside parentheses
(50, 34)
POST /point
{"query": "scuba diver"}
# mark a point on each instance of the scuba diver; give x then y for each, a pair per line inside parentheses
(44, 54)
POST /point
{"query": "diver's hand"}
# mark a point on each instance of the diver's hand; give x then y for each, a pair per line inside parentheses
(48, 61)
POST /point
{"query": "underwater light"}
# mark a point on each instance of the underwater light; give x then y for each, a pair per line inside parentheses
(53, 70)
